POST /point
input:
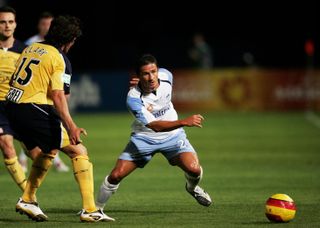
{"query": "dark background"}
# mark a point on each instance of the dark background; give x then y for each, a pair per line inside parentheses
(116, 32)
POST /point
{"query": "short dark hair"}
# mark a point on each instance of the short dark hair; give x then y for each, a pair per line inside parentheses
(45, 14)
(63, 30)
(8, 9)
(145, 60)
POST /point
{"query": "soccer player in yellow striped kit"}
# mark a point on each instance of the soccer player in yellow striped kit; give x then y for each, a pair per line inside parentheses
(38, 112)
(10, 49)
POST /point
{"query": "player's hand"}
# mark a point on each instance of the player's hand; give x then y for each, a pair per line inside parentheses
(193, 121)
(133, 81)
(75, 134)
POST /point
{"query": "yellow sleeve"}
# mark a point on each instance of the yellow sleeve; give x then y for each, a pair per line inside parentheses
(57, 74)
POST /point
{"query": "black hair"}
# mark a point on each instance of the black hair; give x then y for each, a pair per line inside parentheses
(8, 9)
(145, 60)
(45, 14)
(63, 30)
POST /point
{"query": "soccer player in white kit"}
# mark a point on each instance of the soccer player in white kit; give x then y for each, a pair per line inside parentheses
(156, 129)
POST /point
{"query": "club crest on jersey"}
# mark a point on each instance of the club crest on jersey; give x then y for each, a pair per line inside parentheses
(150, 108)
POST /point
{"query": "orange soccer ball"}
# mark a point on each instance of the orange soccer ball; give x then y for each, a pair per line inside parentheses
(280, 208)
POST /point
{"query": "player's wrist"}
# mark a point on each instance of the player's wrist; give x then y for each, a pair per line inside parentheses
(182, 123)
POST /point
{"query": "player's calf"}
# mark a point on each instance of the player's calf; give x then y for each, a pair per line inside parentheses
(105, 192)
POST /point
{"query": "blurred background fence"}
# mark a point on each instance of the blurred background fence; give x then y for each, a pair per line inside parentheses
(263, 56)
(235, 89)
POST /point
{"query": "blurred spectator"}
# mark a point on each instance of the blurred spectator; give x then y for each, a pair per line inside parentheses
(2, 3)
(43, 28)
(200, 53)
(248, 59)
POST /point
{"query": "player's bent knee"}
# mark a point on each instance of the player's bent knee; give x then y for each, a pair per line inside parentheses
(81, 149)
(7, 147)
(194, 171)
(74, 150)
(35, 152)
(8, 152)
(115, 177)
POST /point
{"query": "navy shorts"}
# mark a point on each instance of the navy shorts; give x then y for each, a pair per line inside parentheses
(37, 125)
(5, 128)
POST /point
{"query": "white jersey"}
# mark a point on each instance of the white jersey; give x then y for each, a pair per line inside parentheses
(152, 107)
(33, 39)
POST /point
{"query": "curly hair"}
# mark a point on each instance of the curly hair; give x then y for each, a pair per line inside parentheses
(63, 30)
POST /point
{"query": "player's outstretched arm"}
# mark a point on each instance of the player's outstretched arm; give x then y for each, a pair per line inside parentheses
(162, 126)
(193, 121)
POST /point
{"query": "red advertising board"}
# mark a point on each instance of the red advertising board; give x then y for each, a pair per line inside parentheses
(247, 89)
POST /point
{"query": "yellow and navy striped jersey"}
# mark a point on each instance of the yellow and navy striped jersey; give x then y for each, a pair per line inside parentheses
(8, 60)
(41, 69)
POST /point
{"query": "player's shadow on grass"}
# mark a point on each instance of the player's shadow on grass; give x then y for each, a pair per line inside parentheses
(150, 211)
(258, 223)
(61, 210)
(75, 211)
(3, 220)
(26, 221)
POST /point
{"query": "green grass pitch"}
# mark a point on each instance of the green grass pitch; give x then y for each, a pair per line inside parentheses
(246, 157)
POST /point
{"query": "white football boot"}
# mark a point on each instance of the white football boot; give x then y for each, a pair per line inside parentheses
(60, 165)
(32, 210)
(201, 196)
(95, 216)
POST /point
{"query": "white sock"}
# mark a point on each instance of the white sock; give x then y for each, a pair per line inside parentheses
(106, 190)
(57, 159)
(22, 155)
(192, 181)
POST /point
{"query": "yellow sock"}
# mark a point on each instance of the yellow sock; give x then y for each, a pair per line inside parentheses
(16, 172)
(91, 176)
(40, 167)
(82, 169)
